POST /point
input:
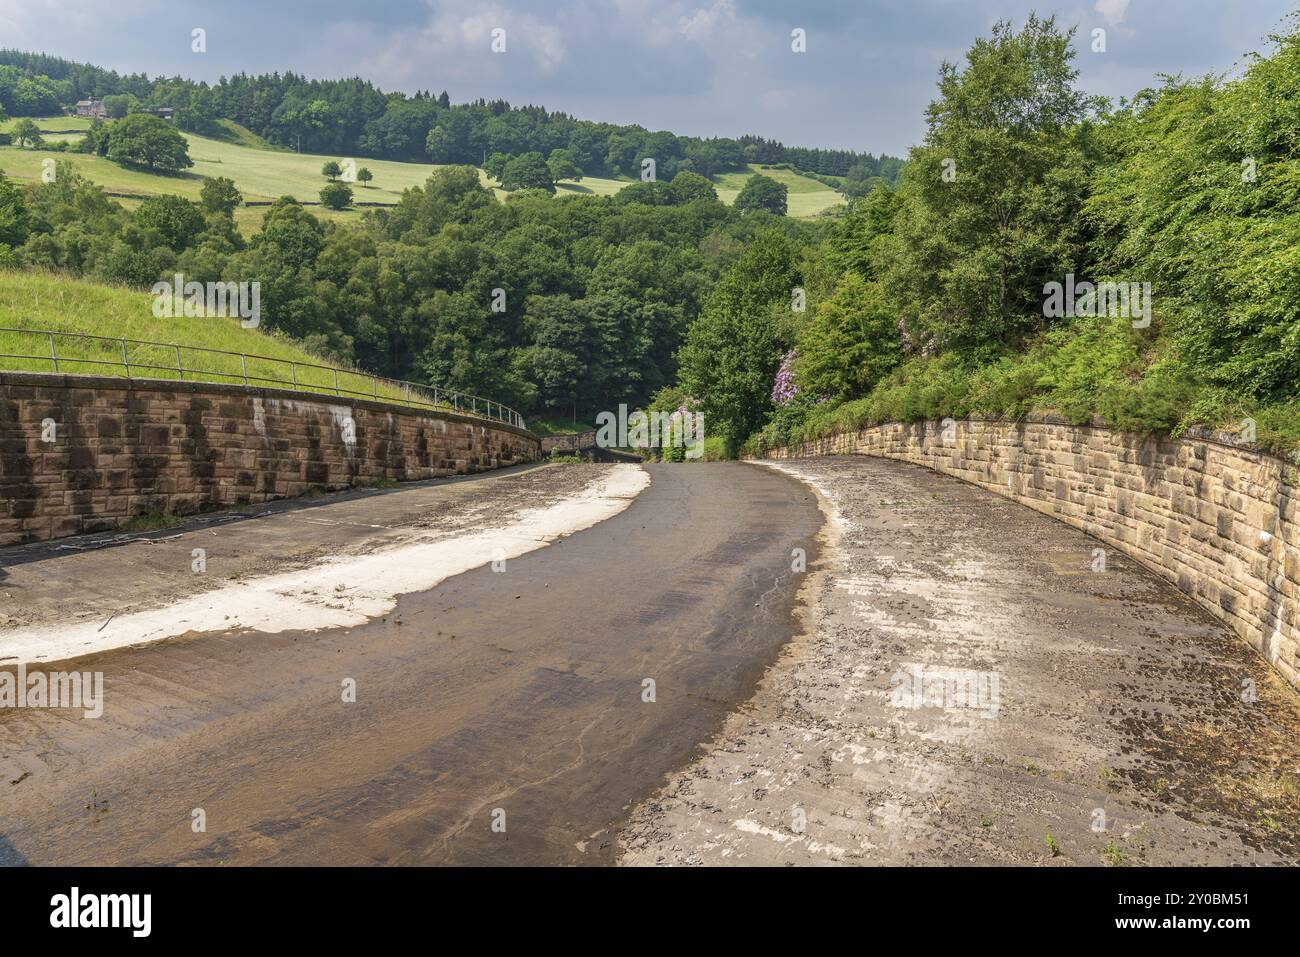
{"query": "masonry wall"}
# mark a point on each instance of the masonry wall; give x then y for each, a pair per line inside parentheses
(1222, 523)
(129, 447)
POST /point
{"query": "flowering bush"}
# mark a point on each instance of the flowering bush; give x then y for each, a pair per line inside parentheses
(784, 388)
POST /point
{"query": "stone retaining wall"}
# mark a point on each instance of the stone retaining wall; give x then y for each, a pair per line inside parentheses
(123, 448)
(1222, 523)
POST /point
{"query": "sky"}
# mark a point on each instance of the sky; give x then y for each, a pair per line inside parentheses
(698, 67)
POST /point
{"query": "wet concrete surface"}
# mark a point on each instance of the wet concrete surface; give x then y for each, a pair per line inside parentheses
(515, 696)
(1130, 727)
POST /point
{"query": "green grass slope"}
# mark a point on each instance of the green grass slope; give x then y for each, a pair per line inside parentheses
(805, 197)
(263, 173)
(34, 302)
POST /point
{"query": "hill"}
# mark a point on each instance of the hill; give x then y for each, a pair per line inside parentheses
(263, 174)
(806, 197)
(286, 110)
(33, 302)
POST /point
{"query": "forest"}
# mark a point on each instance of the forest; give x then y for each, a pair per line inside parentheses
(553, 306)
(353, 117)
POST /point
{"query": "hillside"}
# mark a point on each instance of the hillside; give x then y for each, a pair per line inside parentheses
(806, 197)
(49, 302)
(263, 174)
(365, 120)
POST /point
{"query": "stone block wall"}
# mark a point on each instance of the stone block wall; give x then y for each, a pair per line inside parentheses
(123, 448)
(1220, 522)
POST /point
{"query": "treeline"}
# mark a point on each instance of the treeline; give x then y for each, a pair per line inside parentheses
(1170, 221)
(353, 117)
(552, 306)
(823, 161)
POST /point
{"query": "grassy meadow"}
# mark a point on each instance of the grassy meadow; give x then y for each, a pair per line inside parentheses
(263, 173)
(806, 197)
(35, 302)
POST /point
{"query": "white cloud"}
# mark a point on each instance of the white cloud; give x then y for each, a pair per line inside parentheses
(700, 24)
(455, 43)
(1114, 12)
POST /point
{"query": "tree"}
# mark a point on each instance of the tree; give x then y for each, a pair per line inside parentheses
(527, 171)
(118, 106)
(495, 165)
(364, 175)
(219, 195)
(96, 138)
(143, 139)
(15, 221)
(400, 133)
(123, 263)
(178, 220)
(849, 342)
(331, 170)
(336, 195)
(687, 187)
(563, 166)
(734, 348)
(27, 133)
(992, 201)
(860, 242)
(560, 328)
(762, 192)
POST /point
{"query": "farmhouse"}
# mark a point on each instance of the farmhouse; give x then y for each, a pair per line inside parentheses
(91, 108)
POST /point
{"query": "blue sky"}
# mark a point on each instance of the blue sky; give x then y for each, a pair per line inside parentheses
(706, 67)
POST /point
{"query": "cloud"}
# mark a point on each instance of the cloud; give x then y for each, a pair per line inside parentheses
(452, 45)
(702, 67)
(703, 23)
(23, 21)
(1113, 12)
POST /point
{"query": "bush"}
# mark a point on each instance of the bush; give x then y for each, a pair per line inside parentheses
(763, 192)
(176, 219)
(336, 196)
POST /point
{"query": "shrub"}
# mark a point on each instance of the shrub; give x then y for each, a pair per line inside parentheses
(336, 195)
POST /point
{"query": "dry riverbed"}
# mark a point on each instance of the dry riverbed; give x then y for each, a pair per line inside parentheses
(339, 564)
(1063, 715)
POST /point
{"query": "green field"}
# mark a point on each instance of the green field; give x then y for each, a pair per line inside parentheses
(262, 173)
(55, 129)
(36, 302)
(589, 186)
(806, 197)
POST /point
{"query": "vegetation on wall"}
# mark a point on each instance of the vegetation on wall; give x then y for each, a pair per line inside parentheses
(931, 299)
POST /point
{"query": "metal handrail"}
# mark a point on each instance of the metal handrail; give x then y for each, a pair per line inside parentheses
(400, 391)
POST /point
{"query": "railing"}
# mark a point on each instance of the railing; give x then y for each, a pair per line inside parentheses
(217, 364)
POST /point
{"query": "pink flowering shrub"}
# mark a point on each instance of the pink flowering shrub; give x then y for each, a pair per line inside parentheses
(784, 388)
